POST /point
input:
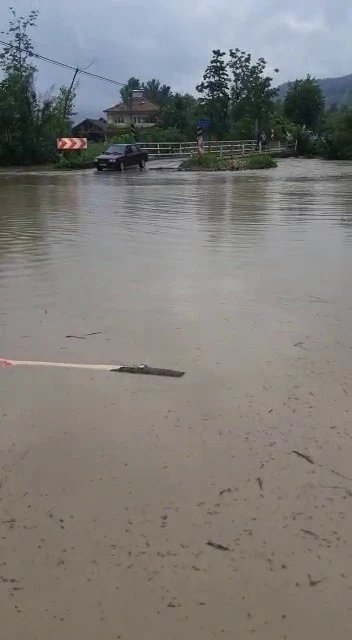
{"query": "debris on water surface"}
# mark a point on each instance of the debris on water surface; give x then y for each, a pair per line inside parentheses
(225, 491)
(304, 456)
(311, 533)
(218, 546)
(151, 371)
(312, 582)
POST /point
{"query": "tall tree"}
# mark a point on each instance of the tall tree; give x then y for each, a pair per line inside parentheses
(19, 48)
(156, 92)
(127, 90)
(252, 93)
(28, 124)
(214, 89)
(18, 100)
(337, 144)
(180, 113)
(304, 103)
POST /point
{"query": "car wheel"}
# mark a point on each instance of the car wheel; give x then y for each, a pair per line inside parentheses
(141, 163)
(122, 166)
(99, 168)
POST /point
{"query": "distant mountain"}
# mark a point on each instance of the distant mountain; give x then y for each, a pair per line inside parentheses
(335, 90)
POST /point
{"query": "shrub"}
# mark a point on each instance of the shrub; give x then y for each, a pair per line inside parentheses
(76, 160)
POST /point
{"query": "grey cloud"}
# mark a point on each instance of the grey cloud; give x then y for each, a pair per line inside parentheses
(172, 40)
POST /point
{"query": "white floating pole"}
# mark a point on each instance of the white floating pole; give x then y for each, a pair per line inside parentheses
(62, 365)
(141, 368)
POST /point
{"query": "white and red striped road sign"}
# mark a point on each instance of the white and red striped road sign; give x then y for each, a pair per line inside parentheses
(72, 144)
(200, 145)
(200, 140)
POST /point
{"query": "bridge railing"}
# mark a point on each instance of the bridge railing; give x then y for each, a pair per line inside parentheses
(220, 148)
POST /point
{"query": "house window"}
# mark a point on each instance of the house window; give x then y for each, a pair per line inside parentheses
(141, 119)
(119, 119)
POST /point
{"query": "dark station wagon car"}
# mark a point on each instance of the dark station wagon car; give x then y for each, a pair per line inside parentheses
(121, 156)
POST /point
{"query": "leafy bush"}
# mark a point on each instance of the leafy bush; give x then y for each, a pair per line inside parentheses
(121, 138)
(79, 160)
(243, 129)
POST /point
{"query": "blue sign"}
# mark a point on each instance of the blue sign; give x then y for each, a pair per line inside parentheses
(204, 123)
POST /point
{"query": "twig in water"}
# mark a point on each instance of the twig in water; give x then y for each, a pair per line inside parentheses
(314, 535)
(340, 475)
(311, 533)
(301, 345)
(304, 456)
(216, 545)
(320, 299)
(333, 486)
(84, 335)
(260, 483)
(225, 491)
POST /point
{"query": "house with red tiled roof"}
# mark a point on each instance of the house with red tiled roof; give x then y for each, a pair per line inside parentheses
(140, 112)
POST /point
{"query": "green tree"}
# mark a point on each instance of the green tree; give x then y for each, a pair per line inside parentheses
(29, 124)
(180, 113)
(304, 103)
(18, 103)
(242, 129)
(18, 111)
(252, 94)
(156, 92)
(281, 125)
(337, 140)
(214, 89)
(19, 48)
(127, 90)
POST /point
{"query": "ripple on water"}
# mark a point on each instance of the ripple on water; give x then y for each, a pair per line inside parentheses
(146, 226)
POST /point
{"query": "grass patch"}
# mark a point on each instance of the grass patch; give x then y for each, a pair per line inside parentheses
(79, 160)
(258, 161)
(205, 162)
(211, 162)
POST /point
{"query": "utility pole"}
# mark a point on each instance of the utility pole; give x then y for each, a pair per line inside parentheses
(69, 92)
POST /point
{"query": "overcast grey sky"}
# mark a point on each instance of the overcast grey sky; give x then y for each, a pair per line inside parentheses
(172, 40)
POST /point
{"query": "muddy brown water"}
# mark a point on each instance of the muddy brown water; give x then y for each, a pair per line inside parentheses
(112, 485)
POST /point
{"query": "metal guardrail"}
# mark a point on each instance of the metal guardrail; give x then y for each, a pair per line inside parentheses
(220, 148)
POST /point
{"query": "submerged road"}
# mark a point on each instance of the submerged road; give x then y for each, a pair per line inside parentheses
(213, 506)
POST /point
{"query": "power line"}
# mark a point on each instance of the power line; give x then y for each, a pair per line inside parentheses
(67, 66)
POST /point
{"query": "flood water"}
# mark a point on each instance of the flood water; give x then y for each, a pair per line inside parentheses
(112, 485)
